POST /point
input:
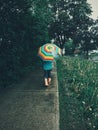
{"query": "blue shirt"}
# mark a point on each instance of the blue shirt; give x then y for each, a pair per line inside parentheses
(47, 65)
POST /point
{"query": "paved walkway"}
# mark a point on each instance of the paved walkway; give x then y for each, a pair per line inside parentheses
(29, 105)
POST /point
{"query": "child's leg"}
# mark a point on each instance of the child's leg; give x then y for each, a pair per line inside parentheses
(49, 80)
(46, 78)
(46, 82)
(49, 76)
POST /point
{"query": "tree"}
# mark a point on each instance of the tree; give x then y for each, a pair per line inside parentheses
(14, 20)
(41, 19)
(23, 27)
(69, 17)
(69, 47)
(94, 32)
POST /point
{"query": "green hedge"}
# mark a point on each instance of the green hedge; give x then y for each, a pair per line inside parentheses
(78, 87)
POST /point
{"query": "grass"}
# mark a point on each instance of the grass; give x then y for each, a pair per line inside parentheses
(78, 92)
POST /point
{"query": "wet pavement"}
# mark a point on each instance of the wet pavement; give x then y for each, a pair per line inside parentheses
(29, 105)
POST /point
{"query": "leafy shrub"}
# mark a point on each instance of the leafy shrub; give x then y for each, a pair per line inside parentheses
(78, 81)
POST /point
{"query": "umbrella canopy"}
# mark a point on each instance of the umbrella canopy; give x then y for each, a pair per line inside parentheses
(49, 51)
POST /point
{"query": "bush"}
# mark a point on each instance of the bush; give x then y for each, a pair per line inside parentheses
(78, 81)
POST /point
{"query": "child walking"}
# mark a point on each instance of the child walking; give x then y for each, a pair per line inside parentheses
(47, 67)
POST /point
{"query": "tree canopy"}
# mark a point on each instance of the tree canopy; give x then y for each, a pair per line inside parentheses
(70, 17)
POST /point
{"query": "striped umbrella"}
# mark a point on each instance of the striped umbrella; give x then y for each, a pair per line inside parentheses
(48, 52)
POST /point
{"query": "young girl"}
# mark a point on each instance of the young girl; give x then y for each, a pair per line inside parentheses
(47, 67)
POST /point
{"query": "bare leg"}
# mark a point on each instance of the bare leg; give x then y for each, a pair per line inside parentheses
(46, 82)
(49, 80)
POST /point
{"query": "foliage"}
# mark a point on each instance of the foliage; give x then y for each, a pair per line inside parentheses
(23, 28)
(94, 32)
(78, 81)
(69, 18)
(69, 47)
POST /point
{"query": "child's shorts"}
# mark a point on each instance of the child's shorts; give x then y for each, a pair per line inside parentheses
(47, 73)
